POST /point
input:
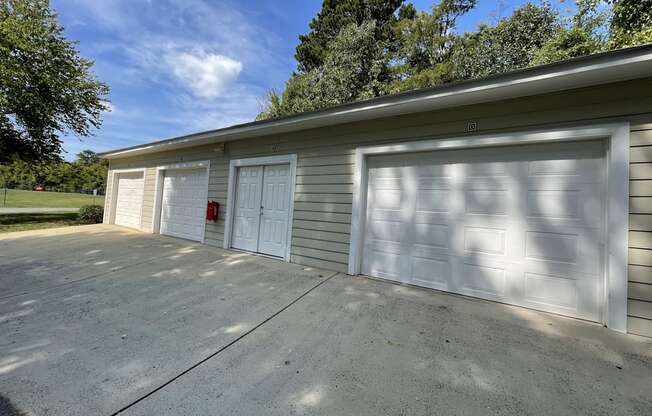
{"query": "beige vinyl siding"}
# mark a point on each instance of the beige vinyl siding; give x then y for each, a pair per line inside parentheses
(323, 194)
(148, 198)
(107, 194)
(639, 305)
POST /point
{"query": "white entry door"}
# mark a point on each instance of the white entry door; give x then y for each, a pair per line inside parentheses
(260, 221)
(129, 199)
(183, 205)
(520, 225)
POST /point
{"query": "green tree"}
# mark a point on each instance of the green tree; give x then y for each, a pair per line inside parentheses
(631, 23)
(511, 44)
(46, 88)
(425, 43)
(331, 67)
(89, 172)
(87, 157)
(583, 35)
(333, 17)
(359, 49)
(352, 65)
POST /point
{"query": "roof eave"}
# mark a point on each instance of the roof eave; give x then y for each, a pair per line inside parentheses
(589, 71)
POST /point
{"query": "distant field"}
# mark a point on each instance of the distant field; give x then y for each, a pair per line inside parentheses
(32, 199)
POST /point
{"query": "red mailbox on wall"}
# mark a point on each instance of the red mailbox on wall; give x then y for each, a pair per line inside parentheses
(212, 210)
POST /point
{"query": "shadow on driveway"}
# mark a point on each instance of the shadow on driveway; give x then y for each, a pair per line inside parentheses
(8, 409)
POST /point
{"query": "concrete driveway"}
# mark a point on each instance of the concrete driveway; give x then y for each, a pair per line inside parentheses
(102, 320)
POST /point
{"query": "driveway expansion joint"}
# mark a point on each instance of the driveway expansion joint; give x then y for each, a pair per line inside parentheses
(222, 349)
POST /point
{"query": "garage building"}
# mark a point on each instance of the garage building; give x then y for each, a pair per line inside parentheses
(532, 188)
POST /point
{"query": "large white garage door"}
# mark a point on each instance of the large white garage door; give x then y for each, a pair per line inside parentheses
(129, 199)
(183, 205)
(520, 225)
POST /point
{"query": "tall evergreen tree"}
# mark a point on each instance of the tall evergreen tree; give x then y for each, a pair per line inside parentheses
(336, 15)
(425, 42)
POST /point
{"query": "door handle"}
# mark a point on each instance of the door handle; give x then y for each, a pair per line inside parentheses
(261, 209)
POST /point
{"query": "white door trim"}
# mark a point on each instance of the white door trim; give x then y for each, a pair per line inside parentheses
(158, 190)
(617, 216)
(259, 161)
(114, 192)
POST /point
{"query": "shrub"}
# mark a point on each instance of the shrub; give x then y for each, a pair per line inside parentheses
(91, 214)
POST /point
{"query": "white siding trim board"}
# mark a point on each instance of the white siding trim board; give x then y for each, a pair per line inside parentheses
(617, 218)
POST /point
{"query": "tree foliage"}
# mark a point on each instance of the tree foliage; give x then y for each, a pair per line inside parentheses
(426, 42)
(46, 88)
(353, 66)
(359, 49)
(83, 175)
(334, 16)
(631, 24)
(509, 45)
(581, 35)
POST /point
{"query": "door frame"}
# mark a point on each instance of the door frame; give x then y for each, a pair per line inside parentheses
(616, 135)
(234, 164)
(115, 184)
(158, 191)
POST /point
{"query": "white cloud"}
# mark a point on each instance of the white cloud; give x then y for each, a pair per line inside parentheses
(174, 66)
(207, 75)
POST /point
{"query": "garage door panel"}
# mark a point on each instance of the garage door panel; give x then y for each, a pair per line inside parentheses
(385, 260)
(387, 199)
(432, 235)
(553, 167)
(424, 181)
(556, 183)
(578, 297)
(427, 170)
(579, 251)
(521, 225)
(553, 204)
(551, 290)
(484, 240)
(430, 252)
(584, 206)
(486, 202)
(435, 273)
(433, 200)
(586, 170)
(551, 246)
(384, 230)
(483, 280)
(486, 169)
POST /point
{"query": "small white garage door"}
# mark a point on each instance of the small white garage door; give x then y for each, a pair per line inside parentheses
(129, 199)
(520, 225)
(183, 205)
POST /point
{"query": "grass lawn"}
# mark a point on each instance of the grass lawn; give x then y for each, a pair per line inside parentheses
(24, 222)
(32, 199)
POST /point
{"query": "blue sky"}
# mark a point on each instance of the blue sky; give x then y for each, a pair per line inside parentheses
(181, 66)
